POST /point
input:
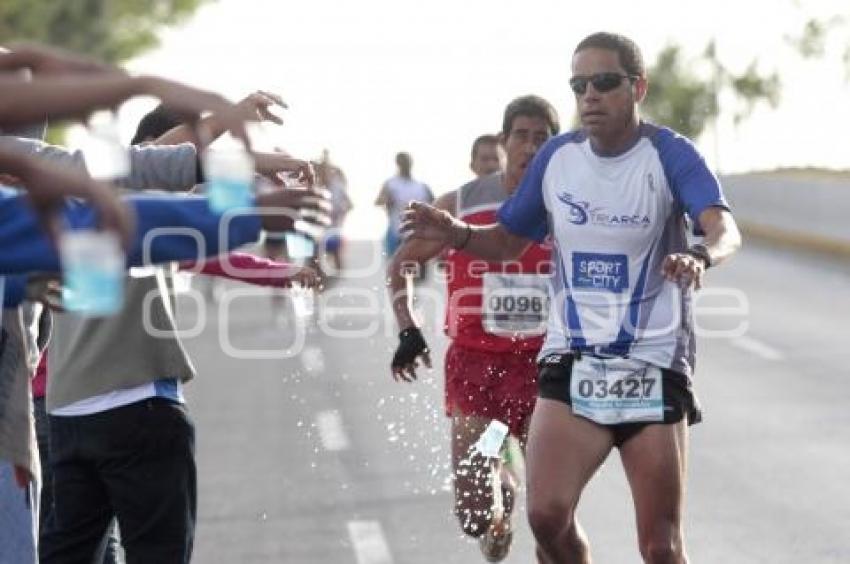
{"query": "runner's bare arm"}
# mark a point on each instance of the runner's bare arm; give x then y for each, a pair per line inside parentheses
(491, 242)
(413, 253)
(722, 237)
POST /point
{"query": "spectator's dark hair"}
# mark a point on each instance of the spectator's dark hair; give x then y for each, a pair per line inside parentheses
(155, 124)
(486, 139)
(627, 50)
(530, 106)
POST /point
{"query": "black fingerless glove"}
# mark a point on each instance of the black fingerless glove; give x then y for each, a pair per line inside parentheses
(411, 344)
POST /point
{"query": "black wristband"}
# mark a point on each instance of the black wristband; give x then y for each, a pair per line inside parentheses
(700, 251)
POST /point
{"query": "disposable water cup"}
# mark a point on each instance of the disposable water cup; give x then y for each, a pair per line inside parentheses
(229, 179)
(300, 247)
(490, 442)
(106, 157)
(93, 270)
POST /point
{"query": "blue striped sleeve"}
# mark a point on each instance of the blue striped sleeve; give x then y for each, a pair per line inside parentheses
(694, 186)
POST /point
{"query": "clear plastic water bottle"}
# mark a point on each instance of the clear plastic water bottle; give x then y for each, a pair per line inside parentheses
(300, 247)
(93, 270)
(230, 178)
(106, 157)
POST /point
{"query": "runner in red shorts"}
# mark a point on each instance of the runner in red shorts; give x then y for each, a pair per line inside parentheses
(495, 318)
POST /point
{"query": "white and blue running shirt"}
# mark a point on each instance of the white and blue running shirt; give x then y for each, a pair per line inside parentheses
(613, 220)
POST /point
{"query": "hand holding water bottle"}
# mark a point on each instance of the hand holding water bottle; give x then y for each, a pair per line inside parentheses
(280, 167)
(290, 204)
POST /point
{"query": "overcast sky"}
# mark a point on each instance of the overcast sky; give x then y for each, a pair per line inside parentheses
(369, 78)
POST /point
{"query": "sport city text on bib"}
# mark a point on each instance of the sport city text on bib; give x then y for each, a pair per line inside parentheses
(515, 304)
(616, 390)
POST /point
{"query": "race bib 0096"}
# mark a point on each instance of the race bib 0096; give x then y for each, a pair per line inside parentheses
(515, 304)
(616, 390)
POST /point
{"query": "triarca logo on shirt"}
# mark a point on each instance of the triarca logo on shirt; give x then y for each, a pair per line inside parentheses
(581, 213)
(578, 210)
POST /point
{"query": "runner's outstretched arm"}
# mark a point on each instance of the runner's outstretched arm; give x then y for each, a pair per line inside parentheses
(722, 237)
(412, 254)
(490, 242)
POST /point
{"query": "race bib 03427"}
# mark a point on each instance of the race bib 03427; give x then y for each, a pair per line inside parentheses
(616, 390)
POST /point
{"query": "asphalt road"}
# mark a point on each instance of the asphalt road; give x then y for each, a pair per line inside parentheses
(322, 458)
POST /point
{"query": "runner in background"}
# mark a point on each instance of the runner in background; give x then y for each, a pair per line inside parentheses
(494, 318)
(395, 194)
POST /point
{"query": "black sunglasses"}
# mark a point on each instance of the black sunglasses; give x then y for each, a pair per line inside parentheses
(602, 82)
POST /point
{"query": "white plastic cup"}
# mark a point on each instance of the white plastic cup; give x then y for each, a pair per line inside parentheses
(230, 178)
(490, 442)
(93, 270)
(300, 248)
(106, 157)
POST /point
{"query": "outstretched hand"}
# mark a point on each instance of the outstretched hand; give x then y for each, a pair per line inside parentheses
(189, 103)
(424, 221)
(255, 107)
(284, 206)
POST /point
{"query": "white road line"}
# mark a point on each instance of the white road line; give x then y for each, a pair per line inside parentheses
(760, 348)
(369, 543)
(331, 432)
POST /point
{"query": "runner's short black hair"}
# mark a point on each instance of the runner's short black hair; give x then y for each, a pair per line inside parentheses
(530, 106)
(155, 124)
(486, 139)
(631, 59)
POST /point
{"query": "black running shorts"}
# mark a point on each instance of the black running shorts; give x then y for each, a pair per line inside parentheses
(553, 382)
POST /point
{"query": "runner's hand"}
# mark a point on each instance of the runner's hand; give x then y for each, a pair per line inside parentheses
(423, 221)
(684, 270)
(411, 346)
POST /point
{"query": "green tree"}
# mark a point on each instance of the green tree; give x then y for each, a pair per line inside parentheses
(813, 38)
(111, 30)
(677, 98)
(688, 102)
